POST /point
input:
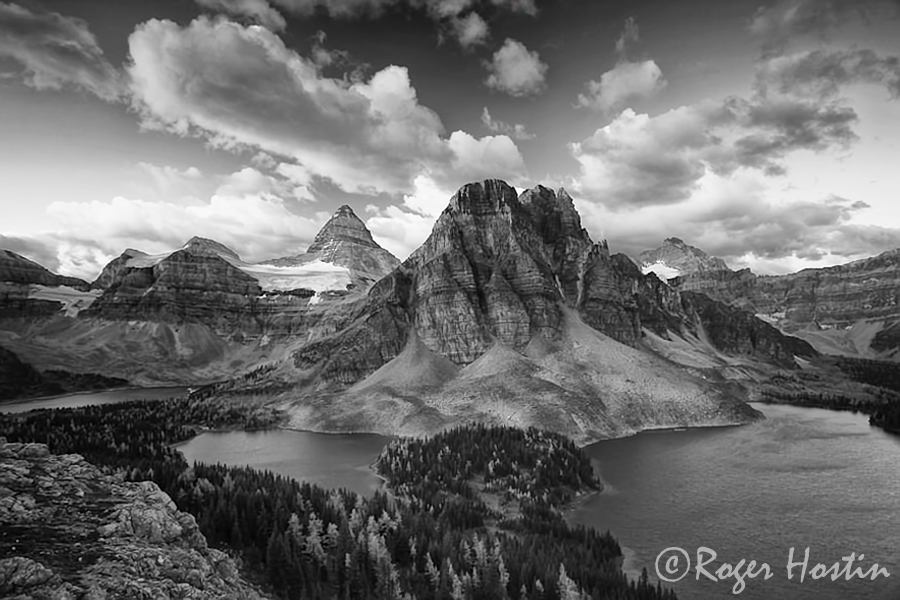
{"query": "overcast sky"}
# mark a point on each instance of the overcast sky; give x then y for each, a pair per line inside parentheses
(765, 132)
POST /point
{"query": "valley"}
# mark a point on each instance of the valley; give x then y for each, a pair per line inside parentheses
(508, 318)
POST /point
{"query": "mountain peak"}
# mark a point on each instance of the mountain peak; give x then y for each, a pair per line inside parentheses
(676, 258)
(199, 244)
(345, 241)
(483, 198)
(343, 226)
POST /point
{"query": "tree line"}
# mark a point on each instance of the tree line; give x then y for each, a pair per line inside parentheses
(427, 535)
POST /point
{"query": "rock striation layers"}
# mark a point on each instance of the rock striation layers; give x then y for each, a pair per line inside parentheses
(347, 242)
(70, 531)
(852, 308)
(18, 269)
(517, 314)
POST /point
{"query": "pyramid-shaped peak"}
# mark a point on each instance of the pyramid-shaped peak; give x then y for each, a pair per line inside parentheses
(343, 226)
(199, 244)
(345, 210)
(674, 241)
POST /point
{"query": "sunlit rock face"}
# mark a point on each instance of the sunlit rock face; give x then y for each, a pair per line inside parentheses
(77, 532)
(512, 313)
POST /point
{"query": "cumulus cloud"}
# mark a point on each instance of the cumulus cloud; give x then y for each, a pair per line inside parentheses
(643, 160)
(628, 80)
(242, 86)
(517, 131)
(402, 229)
(784, 20)
(516, 71)
(246, 213)
(57, 51)
(259, 11)
(470, 30)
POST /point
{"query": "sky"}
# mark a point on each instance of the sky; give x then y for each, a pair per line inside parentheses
(766, 132)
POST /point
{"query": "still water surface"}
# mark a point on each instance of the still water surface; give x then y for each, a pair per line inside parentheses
(327, 460)
(803, 478)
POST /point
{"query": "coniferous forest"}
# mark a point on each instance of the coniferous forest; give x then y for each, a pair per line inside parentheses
(869, 386)
(471, 513)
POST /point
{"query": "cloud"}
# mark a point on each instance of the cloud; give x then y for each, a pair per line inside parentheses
(38, 250)
(259, 11)
(402, 229)
(736, 219)
(778, 24)
(57, 52)
(822, 73)
(470, 30)
(630, 34)
(641, 160)
(516, 71)
(626, 81)
(517, 131)
(167, 178)
(246, 213)
(242, 87)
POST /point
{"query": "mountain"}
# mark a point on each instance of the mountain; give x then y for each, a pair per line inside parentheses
(15, 269)
(510, 313)
(504, 284)
(675, 258)
(850, 309)
(19, 379)
(74, 531)
(344, 241)
(196, 314)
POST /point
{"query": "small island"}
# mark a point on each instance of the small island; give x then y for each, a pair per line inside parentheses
(473, 512)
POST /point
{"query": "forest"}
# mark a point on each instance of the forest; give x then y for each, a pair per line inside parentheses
(429, 534)
(868, 386)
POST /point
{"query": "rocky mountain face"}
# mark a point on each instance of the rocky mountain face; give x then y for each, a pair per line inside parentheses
(15, 269)
(19, 379)
(347, 242)
(511, 285)
(846, 309)
(71, 531)
(196, 314)
(676, 258)
(498, 270)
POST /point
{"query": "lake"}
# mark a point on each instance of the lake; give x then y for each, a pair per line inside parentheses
(328, 460)
(93, 398)
(802, 478)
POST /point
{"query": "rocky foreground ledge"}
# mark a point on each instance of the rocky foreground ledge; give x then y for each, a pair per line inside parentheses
(68, 530)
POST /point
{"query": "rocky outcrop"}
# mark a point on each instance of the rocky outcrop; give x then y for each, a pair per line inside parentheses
(347, 242)
(72, 531)
(18, 269)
